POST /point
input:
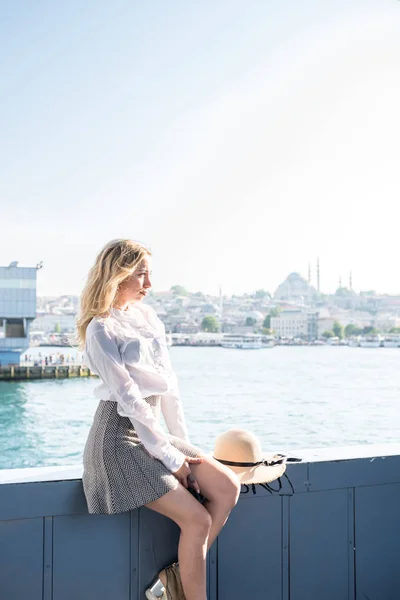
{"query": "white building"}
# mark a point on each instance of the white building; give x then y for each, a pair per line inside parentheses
(17, 310)
(325, 324)
(290, 324)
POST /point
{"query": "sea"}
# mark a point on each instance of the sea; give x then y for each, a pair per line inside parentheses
(289, 397)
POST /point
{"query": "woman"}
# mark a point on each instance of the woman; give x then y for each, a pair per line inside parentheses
(129, 461)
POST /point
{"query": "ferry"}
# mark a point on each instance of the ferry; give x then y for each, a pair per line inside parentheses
(268, 341)
(371, 341)
(250, 341)
(391, 341)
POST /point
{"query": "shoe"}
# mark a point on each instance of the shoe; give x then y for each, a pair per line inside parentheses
(173, 589)
(156, 591)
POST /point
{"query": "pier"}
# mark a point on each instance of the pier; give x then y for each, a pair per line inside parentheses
(20, 373)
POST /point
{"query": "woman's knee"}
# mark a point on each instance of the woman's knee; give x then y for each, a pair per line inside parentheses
(200, 521)
(234, 490)
(228, 493)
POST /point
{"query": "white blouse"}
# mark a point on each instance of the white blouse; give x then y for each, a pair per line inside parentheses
(128, 351)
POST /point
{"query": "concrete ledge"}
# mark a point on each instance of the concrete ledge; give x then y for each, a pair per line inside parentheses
(313, 455)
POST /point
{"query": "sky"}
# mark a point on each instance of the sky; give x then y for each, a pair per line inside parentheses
(238, 140)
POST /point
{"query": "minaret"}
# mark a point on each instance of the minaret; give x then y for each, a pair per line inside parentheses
(309, 285)
(340, 281)
(221, 303)
(318, 279)
(351, 281)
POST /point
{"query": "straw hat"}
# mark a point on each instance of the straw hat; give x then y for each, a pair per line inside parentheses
(240, 450)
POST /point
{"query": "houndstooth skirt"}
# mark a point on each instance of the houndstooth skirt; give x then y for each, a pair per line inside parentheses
(118, 472)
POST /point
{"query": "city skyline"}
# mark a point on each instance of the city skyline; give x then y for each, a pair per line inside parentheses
(237, 161)
(343, 282)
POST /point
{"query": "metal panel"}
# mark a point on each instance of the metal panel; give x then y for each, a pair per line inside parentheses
(274, 546)
(134, 555)
(250, 551)
(212, 572)
(29, 500)
(377, 542)
(92, 557)
(285, 548)
(48, 523)
(352, 473)
(157, 545)
(319, 546)
(21, 559)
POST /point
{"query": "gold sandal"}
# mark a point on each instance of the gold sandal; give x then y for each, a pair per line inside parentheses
(156, 591)
(173, 589)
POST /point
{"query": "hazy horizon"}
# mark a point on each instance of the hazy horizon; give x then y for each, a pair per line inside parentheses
(239, 145)
(248, 292)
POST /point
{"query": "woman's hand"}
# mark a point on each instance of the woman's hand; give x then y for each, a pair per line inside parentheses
(185, 476)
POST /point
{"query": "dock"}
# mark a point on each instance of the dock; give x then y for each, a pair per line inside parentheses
(30, 373)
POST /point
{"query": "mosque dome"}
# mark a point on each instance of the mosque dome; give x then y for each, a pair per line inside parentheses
(295, 287)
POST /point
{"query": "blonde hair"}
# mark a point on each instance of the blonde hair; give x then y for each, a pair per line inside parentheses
(114, 263)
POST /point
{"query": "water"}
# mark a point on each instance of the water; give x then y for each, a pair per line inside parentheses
(290, 397)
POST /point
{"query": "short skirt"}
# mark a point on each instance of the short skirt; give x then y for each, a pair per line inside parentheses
(118, 472)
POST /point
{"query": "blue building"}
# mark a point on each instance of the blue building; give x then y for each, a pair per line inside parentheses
(17, 310)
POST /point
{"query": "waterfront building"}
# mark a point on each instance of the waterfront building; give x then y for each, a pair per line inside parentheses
(295, 323)
(17, 310)
(325, 324)
(290, 324)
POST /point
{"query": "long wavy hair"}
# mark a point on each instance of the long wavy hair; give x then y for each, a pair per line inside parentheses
(114, 263)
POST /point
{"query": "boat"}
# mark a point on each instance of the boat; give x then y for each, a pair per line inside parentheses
(268, 341)
(391, 341)
(249, 341)
(370, 341)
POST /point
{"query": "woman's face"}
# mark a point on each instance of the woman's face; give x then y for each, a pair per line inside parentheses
(135, 287)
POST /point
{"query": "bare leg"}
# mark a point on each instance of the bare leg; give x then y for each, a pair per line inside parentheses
(221, 488)
(195, 524)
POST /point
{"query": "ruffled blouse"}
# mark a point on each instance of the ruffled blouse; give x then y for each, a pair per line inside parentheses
(128, 351)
